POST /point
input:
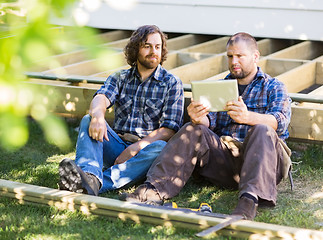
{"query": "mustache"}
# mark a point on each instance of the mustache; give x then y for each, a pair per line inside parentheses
(152, 55)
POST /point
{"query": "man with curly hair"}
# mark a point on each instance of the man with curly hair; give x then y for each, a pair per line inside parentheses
(148, 106)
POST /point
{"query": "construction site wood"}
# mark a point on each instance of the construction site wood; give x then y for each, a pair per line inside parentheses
(299, 64)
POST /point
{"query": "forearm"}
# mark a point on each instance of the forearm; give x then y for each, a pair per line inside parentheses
(257, 118)
(162, 133)
(98, 106)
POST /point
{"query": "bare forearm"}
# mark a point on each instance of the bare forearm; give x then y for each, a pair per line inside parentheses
(257, 118)
(98, 106)
(159, 134)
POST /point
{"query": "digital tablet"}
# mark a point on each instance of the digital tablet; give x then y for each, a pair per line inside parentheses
(215, 93)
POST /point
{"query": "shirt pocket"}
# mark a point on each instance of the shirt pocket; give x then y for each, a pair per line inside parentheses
(153, 110)
(124, 106)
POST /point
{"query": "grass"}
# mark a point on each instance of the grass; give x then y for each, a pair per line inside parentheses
(37, 163)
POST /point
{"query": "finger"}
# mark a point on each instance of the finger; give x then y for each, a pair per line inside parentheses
(100, 135)
(106, 135)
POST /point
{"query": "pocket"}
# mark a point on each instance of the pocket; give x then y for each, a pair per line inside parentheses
(153, 109)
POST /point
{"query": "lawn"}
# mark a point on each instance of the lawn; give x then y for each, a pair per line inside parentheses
(37, 164)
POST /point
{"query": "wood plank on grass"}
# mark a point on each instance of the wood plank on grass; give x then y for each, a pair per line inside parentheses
(141, 213)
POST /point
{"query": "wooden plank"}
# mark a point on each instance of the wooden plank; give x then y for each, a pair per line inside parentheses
(73, 101)
(275, 67)
(116, 35)
(185, 41)
(269, 46)
(90, 67)
(202, 69)
(299, 78)
(306, 123)
(319, 72)
(215, 46)
(81, 54)
(306, 50)
(144, 213)
(177, 59)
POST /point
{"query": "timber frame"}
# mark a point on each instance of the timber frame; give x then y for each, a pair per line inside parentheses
(297, 63)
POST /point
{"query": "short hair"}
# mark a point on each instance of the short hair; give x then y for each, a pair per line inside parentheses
(246, 37)
(139, 38)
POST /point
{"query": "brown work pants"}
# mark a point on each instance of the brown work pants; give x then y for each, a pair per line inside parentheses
(255, 168)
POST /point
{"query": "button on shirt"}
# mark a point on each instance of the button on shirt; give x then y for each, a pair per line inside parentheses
(143, 106)
(264, 95)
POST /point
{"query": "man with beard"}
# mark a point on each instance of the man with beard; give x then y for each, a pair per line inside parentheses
(241, 148)
(148, 104)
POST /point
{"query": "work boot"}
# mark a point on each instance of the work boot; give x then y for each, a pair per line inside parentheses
(247, 208)
(145, 193)
(72, 178)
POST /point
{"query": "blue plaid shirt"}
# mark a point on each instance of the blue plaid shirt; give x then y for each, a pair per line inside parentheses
(264, 95)
(142, 107)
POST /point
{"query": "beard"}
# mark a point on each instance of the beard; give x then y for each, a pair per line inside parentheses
(148, 64)
(239, 75)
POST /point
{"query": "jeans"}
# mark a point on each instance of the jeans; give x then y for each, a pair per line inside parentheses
(97, 158)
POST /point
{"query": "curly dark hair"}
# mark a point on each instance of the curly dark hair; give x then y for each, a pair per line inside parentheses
(138, 38)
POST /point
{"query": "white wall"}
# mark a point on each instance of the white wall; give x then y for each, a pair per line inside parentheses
(289, 19)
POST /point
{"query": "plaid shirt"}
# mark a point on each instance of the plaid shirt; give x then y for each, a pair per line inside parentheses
(264, 95)
(142, 107)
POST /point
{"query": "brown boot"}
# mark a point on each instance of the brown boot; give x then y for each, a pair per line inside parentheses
(247, 208)
(145, 193)
(72, 178)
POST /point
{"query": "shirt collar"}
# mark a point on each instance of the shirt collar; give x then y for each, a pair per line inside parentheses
(157, 74)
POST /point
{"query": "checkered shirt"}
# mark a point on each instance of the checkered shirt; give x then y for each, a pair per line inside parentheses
(264, 95)
(141, 107)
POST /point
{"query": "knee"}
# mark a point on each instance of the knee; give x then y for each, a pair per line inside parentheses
(190, 127)
(160, 144)
(263, 130)
(86, 120)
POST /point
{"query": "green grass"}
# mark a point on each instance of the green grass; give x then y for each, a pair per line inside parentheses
(37, 164)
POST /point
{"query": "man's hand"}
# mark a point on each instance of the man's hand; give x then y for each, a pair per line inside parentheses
(197, 112)
(98, 129)
(238, 111)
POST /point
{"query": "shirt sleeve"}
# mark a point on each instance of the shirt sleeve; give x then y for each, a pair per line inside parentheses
(110, 88)
(280, 107)
(173, 108)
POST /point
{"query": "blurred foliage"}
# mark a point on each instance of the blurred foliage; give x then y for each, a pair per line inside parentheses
(28, 40)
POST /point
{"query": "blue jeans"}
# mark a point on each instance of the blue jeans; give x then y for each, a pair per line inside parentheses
(93, 156)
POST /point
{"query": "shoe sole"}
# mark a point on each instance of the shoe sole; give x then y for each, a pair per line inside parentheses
(70, 178)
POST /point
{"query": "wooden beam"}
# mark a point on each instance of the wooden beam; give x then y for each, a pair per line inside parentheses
(185, 41)
(269, 46)
(275, 67)
(116, 35)
(299, 78)
(215, 46)
(177, 59)
(307, 122)
(73, 101)
(90, 67)
(87, 204)
(202, 69)
(306, 50)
